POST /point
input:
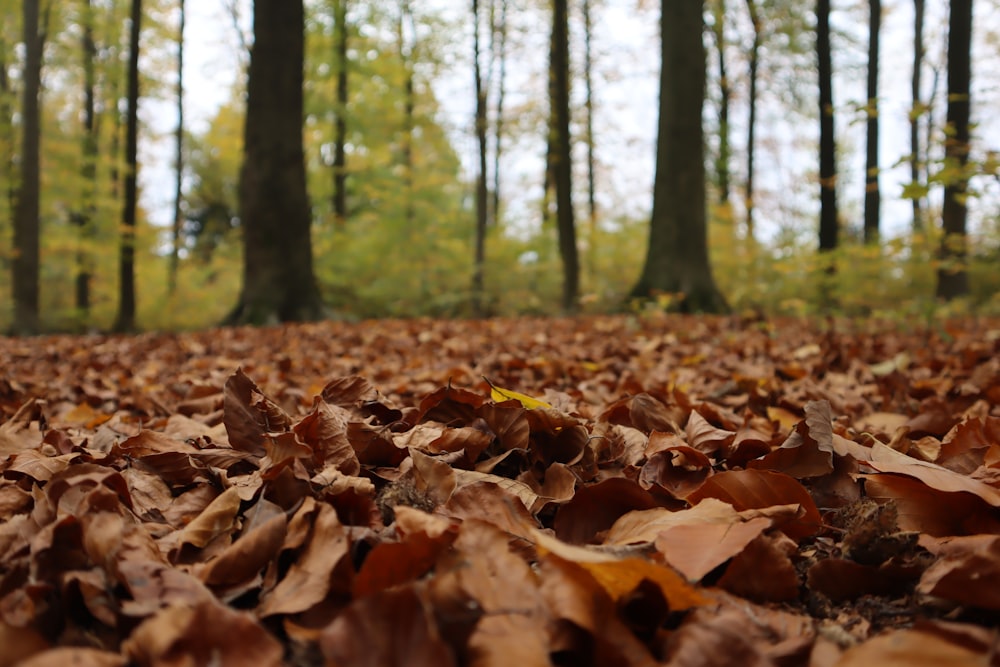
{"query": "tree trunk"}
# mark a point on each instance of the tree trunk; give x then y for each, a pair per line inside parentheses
(278, 280)
(562, 156)
(409, 103)
(588, 71)
(83, 217)
(748, 196)
(499, 125)
(953, 281)
(828, 226)
(125, 320)
(677, 257)
(340, 124)
(25, 264)
(872, 193)
(178, 159)
(725, 94)
(916, 111)
(7, 138)
(478, 307)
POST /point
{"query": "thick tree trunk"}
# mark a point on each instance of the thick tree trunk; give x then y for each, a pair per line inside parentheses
(916, 111)
(872, 193)
(953, 280)
(479, 261)
(178, 160)
(677, 257)
(25, 264)
(340, 124)
(828, 225)
(125, 321)
(562, 156)
(278, 280)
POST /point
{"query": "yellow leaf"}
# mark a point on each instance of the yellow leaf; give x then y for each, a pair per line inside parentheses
(499, 395)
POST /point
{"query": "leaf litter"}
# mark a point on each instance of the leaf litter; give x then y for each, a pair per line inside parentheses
(605, 490)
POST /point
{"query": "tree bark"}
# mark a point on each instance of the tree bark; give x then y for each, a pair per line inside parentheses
(953, 280)
(340, 124)
(178, 160)
(828, 224)
(25, 264)
(479, 261)
(125, 321)
(872, 193)
(562, 155)
(677, 257)
(916, 111)
(278, 280)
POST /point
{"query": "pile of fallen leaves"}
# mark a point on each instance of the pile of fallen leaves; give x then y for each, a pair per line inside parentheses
(596, 491)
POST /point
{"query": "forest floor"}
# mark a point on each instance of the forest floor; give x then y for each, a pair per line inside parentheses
(592, 491)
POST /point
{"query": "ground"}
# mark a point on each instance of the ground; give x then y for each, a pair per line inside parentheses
(607, 490)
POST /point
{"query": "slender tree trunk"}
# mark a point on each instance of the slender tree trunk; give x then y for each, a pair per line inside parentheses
(25, 265)
(748, 196)
(563, 156)
(872, 193)
(588, 80)
(953, 280)
(499, 125)
(677, 258)
(406, 57)
(125, 320)
(482, 194)
(340, 124)
(725, 95)
(83, 217)
(916, 111)
(7, 137)
(828, 226)
(178, 159)
(278, 280)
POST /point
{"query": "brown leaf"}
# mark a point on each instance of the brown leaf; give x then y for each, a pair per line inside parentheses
(214, 520)
(967, 570)
(763, 571)
(324, 429)
(203, 633)
(248, 555)
(911, 648)
(248, 414)
(595, 508)
(393, 627)
(346, 391)
(704, 437)
(17, 433)
(885, 459)
(309, 579)
(756, 489)
(75, 656)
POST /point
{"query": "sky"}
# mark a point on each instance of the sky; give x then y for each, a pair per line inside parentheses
(626, 75)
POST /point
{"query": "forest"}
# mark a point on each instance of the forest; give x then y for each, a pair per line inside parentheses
(380, 159)
(505, 332)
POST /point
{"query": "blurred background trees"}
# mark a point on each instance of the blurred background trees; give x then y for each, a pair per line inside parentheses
(435, 139)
